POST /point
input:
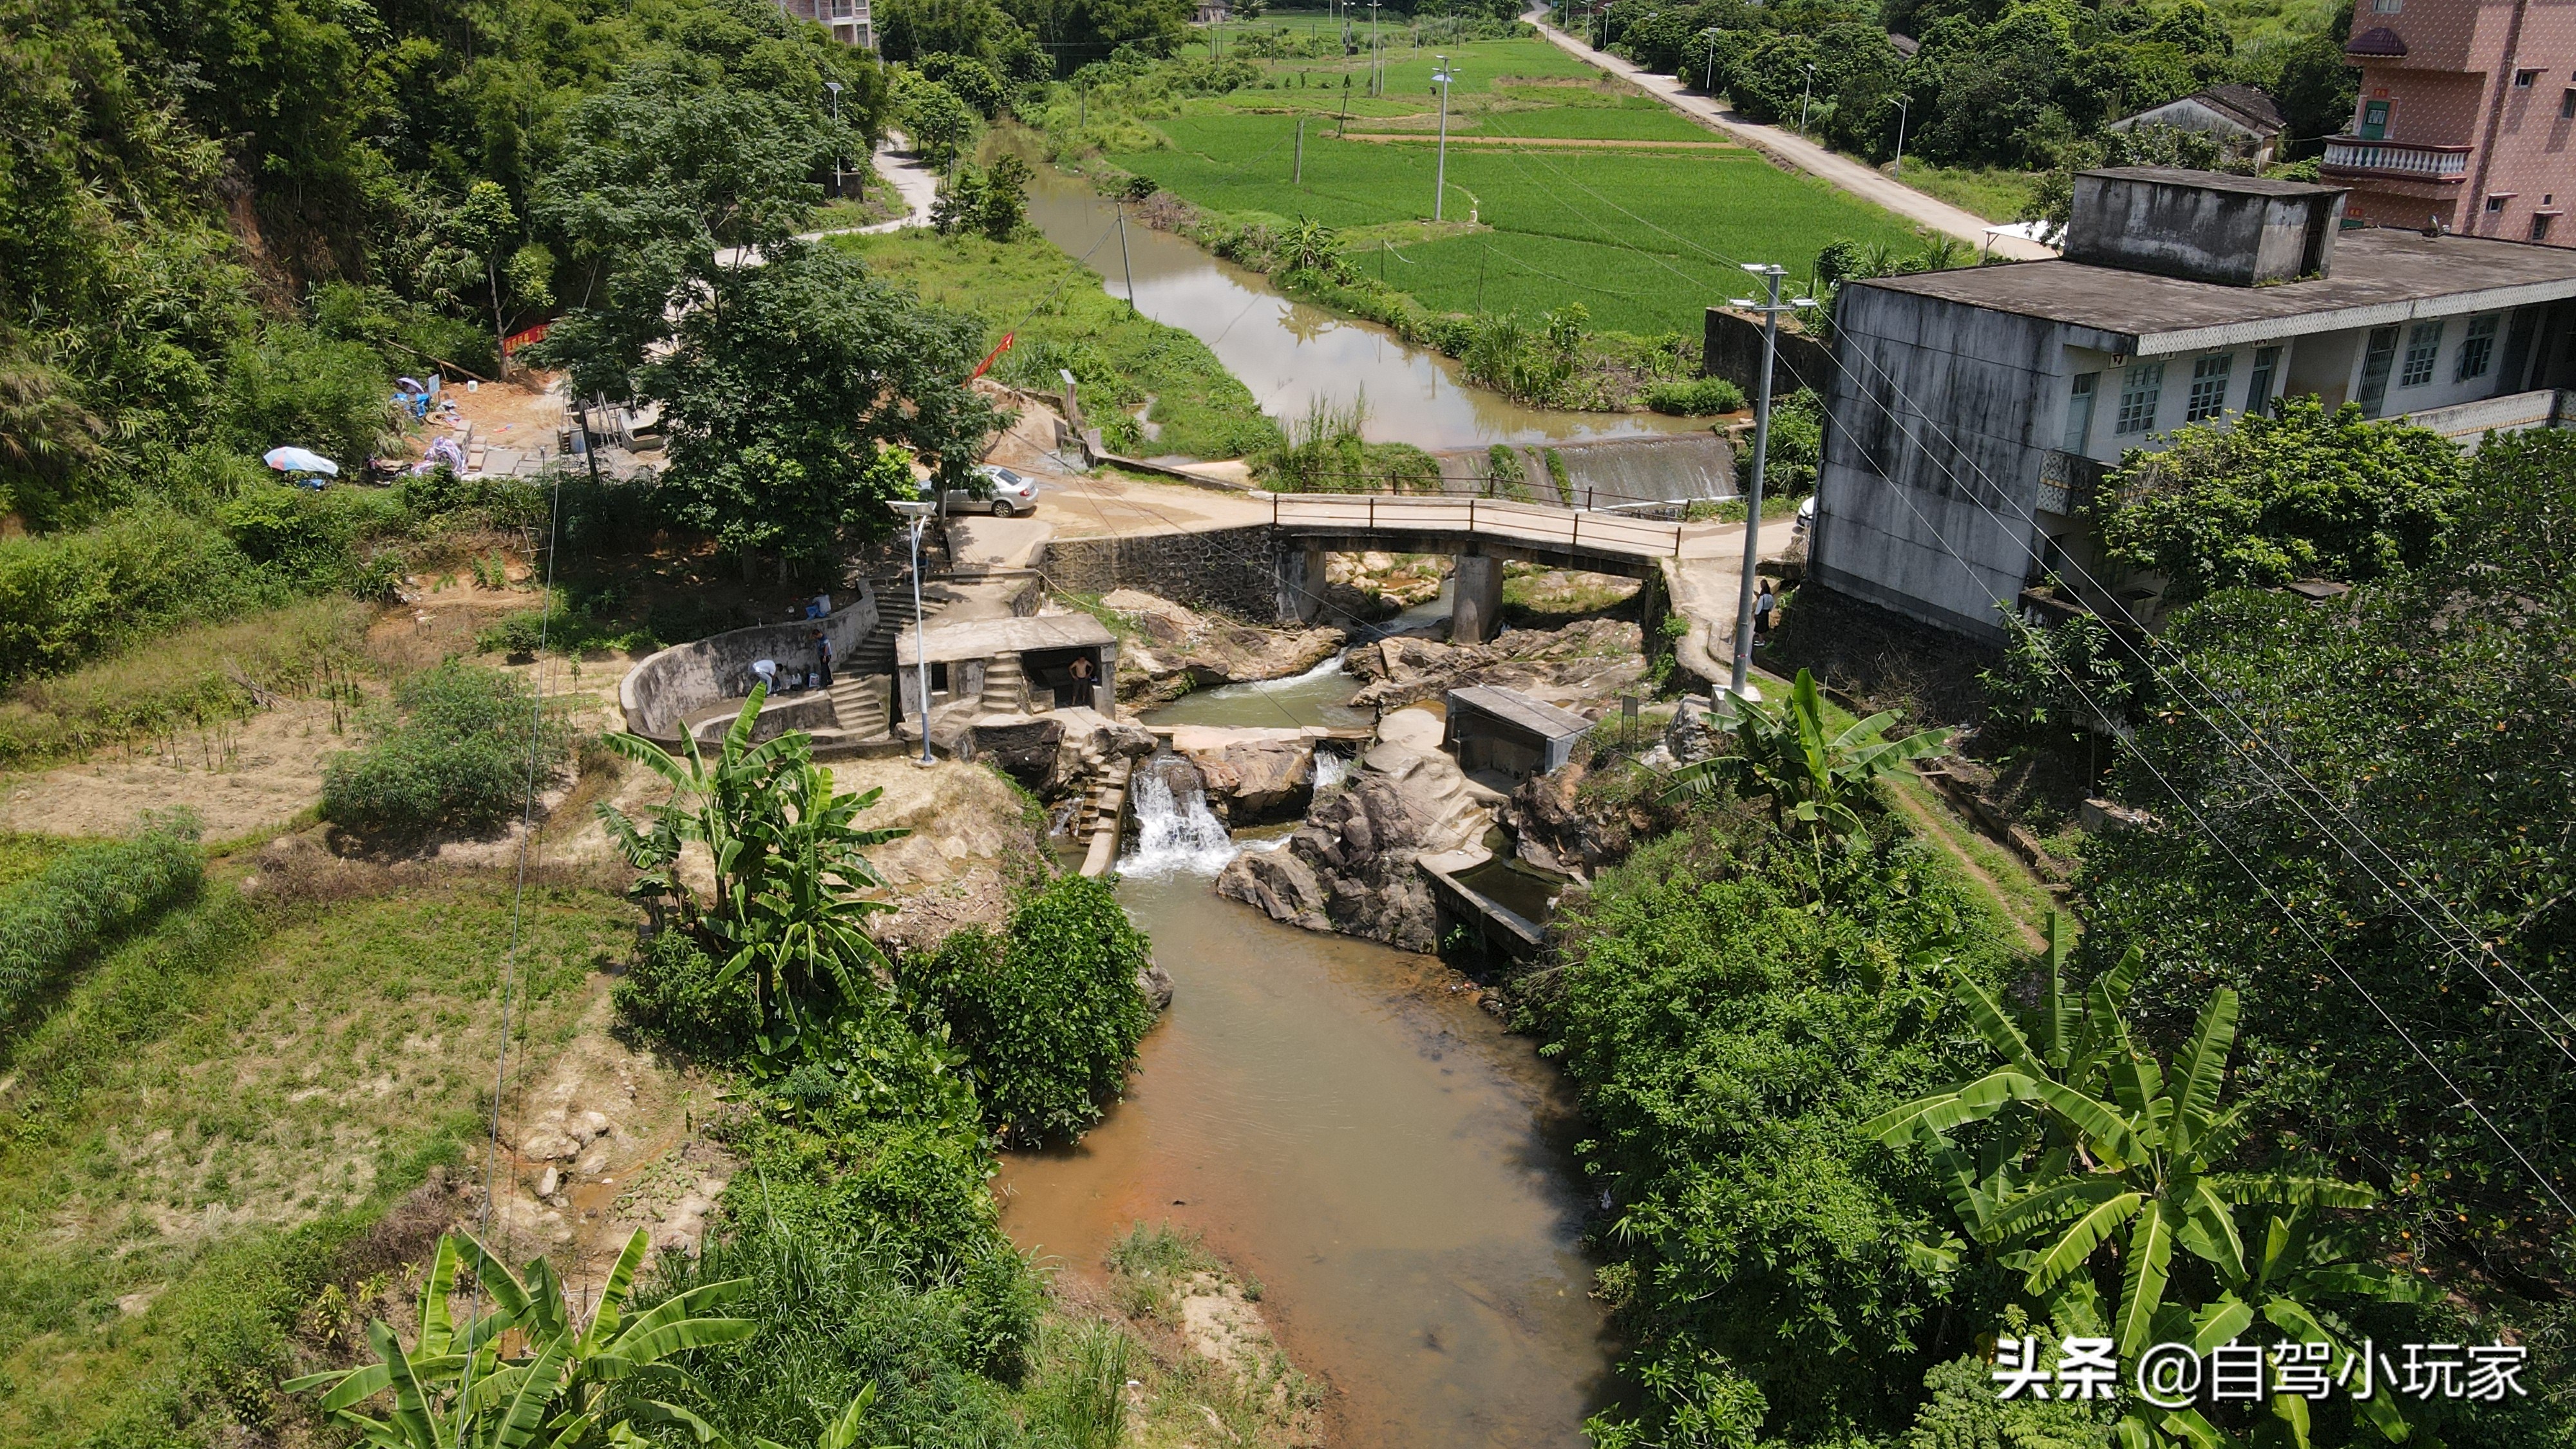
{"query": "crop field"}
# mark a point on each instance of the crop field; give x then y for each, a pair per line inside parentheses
(1564, 175)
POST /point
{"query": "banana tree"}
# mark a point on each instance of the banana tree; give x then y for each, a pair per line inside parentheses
(1810, 776)
(2119, 1158)
(457, 1386)
(841, 1433)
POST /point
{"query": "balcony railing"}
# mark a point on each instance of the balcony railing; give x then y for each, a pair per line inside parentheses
(2355, 156)
(2068, 482)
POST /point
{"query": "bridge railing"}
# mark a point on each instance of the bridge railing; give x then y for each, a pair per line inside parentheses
(1536, 523)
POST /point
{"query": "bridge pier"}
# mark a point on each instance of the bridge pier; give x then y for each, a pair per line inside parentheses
(1476, 605)
(1298, 577)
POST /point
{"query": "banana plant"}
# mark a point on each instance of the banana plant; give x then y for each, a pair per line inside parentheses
(1810, 776)
(457, 1387)
(841, 1433)
(2113, 1145)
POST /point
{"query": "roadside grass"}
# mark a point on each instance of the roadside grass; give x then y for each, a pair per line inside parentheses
(1642, 238)
(190, 678)
(1993, 193)
(1064, 318)
(220, 1088)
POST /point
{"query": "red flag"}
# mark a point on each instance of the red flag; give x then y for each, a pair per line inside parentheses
(998, 349)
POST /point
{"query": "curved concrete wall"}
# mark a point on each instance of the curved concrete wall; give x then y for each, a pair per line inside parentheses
(658, 693)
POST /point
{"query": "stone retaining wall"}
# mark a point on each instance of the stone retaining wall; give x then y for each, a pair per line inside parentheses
(1219, 568)
(658, 693)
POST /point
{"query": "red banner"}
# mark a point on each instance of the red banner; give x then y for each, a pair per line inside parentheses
(998, 349)
(517, 340)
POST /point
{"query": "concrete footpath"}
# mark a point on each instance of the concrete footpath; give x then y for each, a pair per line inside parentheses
(1847, 174)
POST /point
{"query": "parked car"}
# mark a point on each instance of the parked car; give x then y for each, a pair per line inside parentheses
(1806, 518)
(1012, 494)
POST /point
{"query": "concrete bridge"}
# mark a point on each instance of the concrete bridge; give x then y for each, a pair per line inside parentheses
(1481, 533)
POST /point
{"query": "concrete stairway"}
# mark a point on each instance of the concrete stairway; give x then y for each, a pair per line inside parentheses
(863, 685)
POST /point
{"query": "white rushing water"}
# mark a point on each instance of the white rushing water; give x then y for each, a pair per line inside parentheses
(1331, 769)
(1174, 837)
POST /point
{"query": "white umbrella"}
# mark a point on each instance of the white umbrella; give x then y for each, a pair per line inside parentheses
(300, 460)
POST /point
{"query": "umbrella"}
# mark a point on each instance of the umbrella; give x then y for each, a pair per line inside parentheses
(300, 460)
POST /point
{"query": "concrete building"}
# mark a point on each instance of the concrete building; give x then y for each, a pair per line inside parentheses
(1973, 413)
(1488, 727)
(1013, 665)
(848, 20)
(2464, 118)
(2243, 118)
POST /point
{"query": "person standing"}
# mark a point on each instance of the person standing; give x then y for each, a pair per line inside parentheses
(1763, 604)
(823, 659)
(765, 673)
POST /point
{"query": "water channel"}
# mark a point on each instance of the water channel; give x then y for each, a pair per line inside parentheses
(1332, 1116)
(1291, 354)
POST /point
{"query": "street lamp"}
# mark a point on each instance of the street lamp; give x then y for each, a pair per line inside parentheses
(1440, 178)
(1804, 94)
(919, 512)
(1708, 82)
(1902, 102)
(1739, 686)
(835, 88)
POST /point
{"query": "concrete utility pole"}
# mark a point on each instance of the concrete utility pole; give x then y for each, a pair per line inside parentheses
(1299, 178)
(1440, 177)
(1124, 264)
(1377, 58)
(1771, 309)
(919, 513)
(1708, 82)
(1806, 94)
(1902, 103)
(837, 133)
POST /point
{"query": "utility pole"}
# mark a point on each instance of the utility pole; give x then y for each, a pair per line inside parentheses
(1806, 93)
(1124, 264)
(1345, 130)
(1708, 82)
(919, 513)
(1902, 102)
(1377, 61)
(1299, 178)
(1737, 685)
(1440, 178)
(837, 136)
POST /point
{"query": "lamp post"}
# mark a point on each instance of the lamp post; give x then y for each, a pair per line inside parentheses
(1708, 82)
(1805, 94)
(1902, 103)
(1440, 177)
(1771, 309)
(835, 88)
(919, 512)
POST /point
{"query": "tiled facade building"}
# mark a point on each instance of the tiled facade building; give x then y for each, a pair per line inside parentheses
(848, 20)
(2466, 118)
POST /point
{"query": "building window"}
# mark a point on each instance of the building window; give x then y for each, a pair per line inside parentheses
(2522, 79)
(2388, 7)
(2496, 202)
(2423, 345)
(2079, 410)
(2374, 120)
(2477, 350)
(2208, 387)
(2140, 387)
(2567, 104)
(2258, 388)
(2540, 226)
(2377, 357)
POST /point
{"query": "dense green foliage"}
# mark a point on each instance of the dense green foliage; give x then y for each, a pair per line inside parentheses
(53, 920)
(1699, 397)
(2425, 717)
(1047, 1012)
(453, 754)
(2267, 501)
(1732, 1009)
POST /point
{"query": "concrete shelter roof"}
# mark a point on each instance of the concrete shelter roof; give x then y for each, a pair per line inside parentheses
(2378, 276)
(984, 638)
(1513, 707)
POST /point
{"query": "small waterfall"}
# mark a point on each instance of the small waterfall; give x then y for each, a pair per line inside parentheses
(1174, 835)
(1330, 770)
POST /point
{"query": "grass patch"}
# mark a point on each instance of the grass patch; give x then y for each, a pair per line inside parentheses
(197, 676)
(1990, 192)
(1065, 319)
(220, 1088)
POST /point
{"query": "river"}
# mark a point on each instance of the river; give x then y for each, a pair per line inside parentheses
(1291, 354)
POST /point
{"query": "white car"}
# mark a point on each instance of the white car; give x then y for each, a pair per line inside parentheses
(1806, 518)
(1012, 494)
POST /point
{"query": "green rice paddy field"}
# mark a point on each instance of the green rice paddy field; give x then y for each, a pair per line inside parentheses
(1645, 232)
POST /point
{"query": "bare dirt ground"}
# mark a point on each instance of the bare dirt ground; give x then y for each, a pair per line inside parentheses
(237, 777)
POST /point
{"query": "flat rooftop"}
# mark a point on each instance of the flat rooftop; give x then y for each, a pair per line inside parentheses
(984, 638)
(1515, 708)
(2378, 276)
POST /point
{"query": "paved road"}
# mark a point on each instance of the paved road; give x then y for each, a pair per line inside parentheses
(1857, 177)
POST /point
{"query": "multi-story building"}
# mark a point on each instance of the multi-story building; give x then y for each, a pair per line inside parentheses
(848, 20)
(1973, 414)
(2466, 118)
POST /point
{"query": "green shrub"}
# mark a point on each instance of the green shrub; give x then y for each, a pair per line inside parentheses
(295, 387)
(455, 756)
(67, 597)
(1696, 398)
(52, 921)
(671, 992)
(312, 542)
(1048, 1013)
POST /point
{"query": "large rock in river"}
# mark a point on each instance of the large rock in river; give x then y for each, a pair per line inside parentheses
(1350, 867)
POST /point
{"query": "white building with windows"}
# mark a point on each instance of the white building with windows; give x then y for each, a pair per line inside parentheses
(848, 20)
(1974, 412)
